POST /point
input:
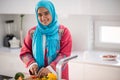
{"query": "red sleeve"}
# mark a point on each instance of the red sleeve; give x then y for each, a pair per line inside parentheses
(26, 50)
(65, 46)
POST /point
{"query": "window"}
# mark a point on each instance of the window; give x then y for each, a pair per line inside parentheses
(107, 34)
(110, 34)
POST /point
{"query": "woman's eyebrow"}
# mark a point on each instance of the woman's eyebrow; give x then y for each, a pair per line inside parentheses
(43, 12)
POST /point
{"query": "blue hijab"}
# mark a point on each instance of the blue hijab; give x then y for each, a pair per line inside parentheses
(51, 32)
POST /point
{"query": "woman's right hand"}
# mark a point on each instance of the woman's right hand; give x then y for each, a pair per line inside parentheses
(33, 69)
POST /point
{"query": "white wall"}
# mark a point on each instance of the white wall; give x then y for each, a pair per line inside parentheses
(29, 20)
(79, 27)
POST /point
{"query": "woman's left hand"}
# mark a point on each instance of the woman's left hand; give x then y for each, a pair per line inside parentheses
(43, 72)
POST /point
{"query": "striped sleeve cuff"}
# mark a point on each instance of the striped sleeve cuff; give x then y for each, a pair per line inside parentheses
(52, 70)
(31, 65)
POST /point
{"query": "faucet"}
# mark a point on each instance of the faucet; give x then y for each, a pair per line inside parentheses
(60, 63)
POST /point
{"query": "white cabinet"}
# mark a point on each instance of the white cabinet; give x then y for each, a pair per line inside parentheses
(17, 6)
(76, 71)
(10, 62)
(93, 71)
(100, 72)
(83, 7)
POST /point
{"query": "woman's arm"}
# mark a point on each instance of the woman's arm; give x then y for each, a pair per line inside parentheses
(65, 46)
(26, 50)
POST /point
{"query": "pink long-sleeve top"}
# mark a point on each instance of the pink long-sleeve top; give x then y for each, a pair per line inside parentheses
(26, 54)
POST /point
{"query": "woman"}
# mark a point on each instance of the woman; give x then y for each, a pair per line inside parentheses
(46, 43)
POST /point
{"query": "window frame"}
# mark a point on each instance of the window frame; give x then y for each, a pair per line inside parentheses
(98, 23)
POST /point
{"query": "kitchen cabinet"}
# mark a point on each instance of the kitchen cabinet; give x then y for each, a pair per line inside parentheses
(83, 7)
(17, 6)
(76, 71)
(10, 62)
(87, 71)
(100, 72)
(89, 66)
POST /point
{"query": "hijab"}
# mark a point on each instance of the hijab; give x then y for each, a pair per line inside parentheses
(51, 31)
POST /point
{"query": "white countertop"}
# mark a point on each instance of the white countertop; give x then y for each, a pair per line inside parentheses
(10, 61)
(9, 50)
(10, 57)
(90, 57)
(93, 57)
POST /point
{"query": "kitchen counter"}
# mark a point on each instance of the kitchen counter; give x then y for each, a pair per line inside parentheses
(5, 50)
(93, 57)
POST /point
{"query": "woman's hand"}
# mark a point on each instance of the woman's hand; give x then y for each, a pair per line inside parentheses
(33, 69)
(43, 72)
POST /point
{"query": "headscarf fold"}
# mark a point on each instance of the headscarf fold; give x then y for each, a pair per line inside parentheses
(51, 32)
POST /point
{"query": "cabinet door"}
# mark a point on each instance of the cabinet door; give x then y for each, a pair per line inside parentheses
(17, 6)
(75, 71)
(99, 72)
(10, 64)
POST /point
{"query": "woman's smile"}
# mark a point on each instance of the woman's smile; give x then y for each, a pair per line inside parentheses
(45, 21)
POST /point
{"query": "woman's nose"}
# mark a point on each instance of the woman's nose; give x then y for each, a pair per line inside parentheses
(43, 17)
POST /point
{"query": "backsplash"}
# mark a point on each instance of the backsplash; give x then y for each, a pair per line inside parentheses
(14, 28)
(77, 24)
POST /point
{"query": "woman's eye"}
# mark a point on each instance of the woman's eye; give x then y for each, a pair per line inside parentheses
(43, 14)
(39, 14)
(46, 13)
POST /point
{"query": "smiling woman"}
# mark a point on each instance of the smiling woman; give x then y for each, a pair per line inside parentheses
(46, 43)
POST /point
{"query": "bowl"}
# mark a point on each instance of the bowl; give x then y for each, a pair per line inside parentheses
(109, 57)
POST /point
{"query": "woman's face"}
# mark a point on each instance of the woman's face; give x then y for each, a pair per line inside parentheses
(44, 16)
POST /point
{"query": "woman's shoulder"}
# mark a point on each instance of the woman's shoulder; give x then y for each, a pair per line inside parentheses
(63, 28)
(31, 30)
(63, 31)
